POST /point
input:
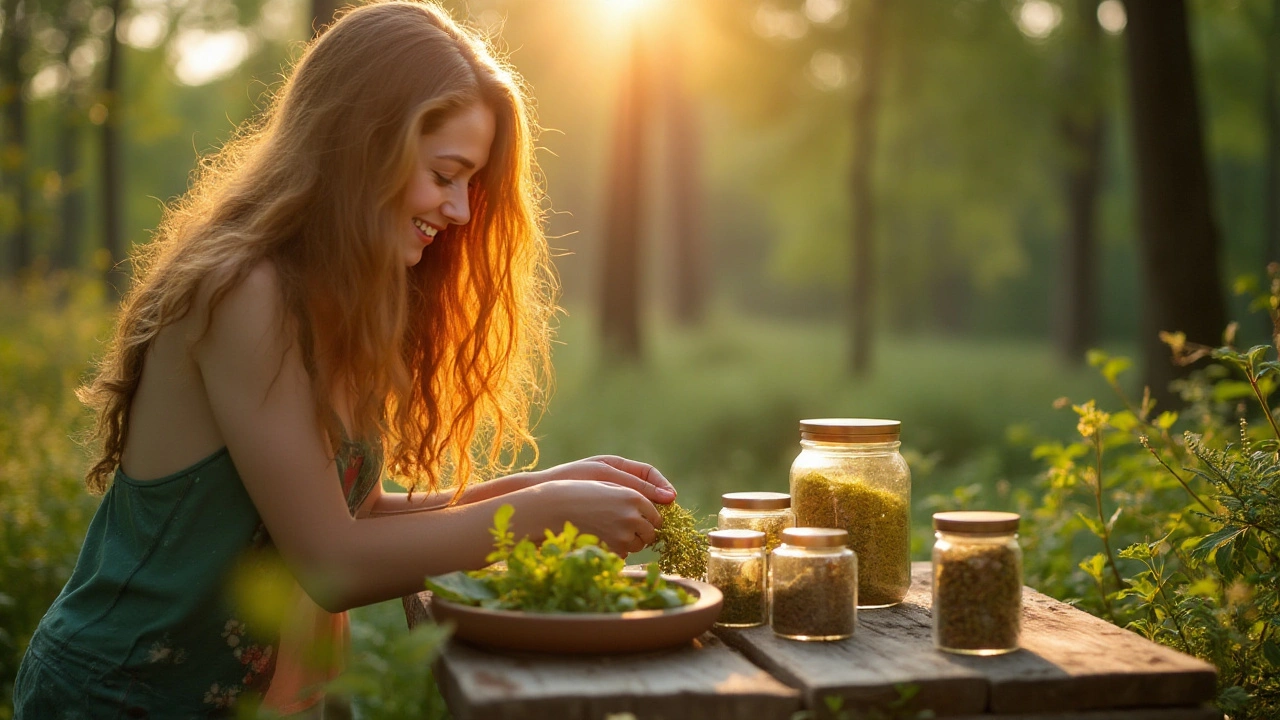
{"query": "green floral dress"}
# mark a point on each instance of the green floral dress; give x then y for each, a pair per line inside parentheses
(145, 627)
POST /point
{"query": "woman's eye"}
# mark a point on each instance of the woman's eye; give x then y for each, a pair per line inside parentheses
(441, 180)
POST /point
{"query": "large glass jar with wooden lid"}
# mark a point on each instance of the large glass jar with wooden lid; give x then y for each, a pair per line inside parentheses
(813, 585)
(736, 565)
(850, 475)
(766, 512)
(977, 582)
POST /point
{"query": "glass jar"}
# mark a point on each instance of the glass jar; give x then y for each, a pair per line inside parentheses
(736, 565)
(850, 475)
(767, 512)
(977, 583)
(813, 585)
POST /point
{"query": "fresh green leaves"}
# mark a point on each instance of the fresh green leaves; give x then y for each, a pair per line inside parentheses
(568, 572)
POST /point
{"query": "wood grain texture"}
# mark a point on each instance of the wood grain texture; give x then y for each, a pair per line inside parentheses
(1070, 662)
(702, 680)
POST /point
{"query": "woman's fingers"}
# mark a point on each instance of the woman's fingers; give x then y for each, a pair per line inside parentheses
(604, 471)
(646, 472)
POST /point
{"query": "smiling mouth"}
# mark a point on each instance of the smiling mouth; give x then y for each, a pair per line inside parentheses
(427, 232)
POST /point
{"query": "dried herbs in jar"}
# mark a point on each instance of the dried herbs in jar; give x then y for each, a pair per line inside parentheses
(814, 585)
(977, 583)
(736, 565)
(850, 475)
(766, 512)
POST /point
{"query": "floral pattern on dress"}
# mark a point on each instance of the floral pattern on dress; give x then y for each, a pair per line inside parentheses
(257, 662)
(163, 652)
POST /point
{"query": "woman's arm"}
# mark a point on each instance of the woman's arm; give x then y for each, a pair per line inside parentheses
(261, 398)
(640, 477)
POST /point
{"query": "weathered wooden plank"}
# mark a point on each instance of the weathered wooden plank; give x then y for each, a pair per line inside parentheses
(1070, 662)
(1165, 713)
(703, 680)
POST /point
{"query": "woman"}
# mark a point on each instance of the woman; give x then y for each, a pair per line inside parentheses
(357, 281)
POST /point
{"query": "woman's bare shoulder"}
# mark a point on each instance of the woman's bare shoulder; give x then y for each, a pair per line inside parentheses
(235, 306)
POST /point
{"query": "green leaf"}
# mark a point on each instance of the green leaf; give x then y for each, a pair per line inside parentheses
(1094, 525)
(460, 587)
(1096, 358)
(1166, 420)
(1094, 565)
(1114, 367)
(1271, 651)
(1228, 390)
(1209, 544)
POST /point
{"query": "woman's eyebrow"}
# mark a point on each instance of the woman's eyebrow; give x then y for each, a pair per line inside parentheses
(458, 159)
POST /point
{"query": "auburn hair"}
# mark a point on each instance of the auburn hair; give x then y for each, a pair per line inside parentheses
(443, 361)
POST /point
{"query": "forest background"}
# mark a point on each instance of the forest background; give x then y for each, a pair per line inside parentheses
(764, 210)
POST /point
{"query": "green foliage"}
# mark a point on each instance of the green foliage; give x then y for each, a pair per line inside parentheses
(390, 677)
(48, 332)
(569, 572)
(900, 708)
(1179, 533)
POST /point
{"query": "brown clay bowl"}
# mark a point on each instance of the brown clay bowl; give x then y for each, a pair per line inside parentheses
(585, 633)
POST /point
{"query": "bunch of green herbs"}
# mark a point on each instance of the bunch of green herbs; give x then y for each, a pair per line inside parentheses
(681, 546)
(568, 572)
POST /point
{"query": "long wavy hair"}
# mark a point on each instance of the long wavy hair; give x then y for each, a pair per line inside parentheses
(444, 361)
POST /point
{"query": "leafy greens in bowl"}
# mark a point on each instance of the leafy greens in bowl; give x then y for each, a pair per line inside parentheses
(569, 572)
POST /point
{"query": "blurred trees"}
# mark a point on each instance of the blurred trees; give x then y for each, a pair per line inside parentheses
(1178, 235)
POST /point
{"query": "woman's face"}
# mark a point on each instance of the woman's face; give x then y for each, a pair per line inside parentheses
(436, 195)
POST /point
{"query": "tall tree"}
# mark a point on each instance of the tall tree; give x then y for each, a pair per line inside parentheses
(1271, 103)
(69, 226)
(866, 107)
(1081, 125)
(620, 297)
(684, 148)
(14, 146)
(1178, 235)
(112, 175)
(684, 151)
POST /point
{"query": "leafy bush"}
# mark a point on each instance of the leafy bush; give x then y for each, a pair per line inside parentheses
(48, 332)
(1180, 532)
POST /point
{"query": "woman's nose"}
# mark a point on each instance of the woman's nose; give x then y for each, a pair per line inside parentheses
(458, 207)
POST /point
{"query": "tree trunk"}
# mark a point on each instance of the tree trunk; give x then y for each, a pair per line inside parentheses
(620, 306)
(322, 12)
(14, 155)
(684, 147)
(1178, 236)
(116, 272)
(70, 224)
(862, 198)
(1271, 189)
(1082, 131)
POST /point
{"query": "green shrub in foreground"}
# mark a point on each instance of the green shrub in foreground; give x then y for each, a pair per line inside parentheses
(1180, 532)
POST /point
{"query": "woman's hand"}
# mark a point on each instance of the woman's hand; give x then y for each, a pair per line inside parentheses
(621, 517)
(641, 477)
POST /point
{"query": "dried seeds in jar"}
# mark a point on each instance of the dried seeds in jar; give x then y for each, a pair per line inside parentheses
(977, 583)
(814, 585)
(736, 565)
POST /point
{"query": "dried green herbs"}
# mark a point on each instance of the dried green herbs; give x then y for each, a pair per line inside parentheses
(681, 547)
(879, 526)
(977, 597)
(741, 581)
(771, 524)
(813, 596)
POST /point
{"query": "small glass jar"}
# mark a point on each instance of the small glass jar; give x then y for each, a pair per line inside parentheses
(767, 512)
(813, 585)
(977, 583)
(736, 565)
(850, 475)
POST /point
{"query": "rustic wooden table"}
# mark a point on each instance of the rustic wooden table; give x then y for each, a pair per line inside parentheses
(1072, 666)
